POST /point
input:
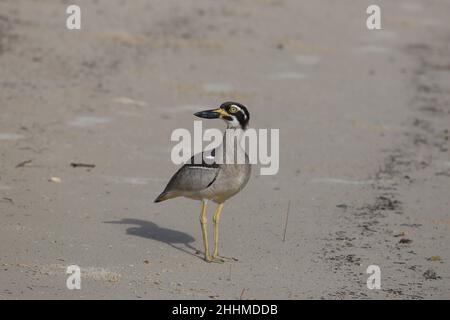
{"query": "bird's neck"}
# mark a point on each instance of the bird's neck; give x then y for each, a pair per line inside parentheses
(236, 125)
(231, 144)
(233, 133)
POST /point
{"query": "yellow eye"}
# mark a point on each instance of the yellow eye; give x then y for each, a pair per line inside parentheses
(233, 109)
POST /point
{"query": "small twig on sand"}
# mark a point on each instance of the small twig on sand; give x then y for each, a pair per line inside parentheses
(242, 293)
(82, 165)
(287, 219)
(23, 163)
(5, 199)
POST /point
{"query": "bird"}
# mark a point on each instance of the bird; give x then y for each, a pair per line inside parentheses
(210, 179)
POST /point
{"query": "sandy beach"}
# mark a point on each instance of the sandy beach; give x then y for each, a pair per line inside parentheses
(363, 116)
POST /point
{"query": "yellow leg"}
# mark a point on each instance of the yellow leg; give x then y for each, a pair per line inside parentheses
(216, 219)
(204, 233)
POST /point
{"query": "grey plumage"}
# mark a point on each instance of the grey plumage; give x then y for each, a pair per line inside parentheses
(209, 181)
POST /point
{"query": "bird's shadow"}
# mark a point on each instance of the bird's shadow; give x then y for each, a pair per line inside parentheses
(150, 230)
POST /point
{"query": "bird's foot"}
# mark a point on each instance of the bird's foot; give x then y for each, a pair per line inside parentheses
(215, 259)
(218, 259)
(210, 259)
(221, 259)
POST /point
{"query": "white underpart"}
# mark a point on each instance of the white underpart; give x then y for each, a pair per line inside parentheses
(234, 123)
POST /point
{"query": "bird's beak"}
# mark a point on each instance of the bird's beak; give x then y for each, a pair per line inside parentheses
(211, 114)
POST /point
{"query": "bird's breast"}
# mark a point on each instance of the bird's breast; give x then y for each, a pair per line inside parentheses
(231, 179)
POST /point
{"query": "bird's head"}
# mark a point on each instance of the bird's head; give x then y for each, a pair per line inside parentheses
(233, 113)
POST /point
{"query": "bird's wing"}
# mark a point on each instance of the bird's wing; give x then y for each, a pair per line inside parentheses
(198, 174)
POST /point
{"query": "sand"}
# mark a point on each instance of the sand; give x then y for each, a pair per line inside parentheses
(364, 160)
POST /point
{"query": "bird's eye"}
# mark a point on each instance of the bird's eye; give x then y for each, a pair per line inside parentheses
(233, 109)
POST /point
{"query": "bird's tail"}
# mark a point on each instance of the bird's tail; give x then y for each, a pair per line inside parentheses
(164, 196)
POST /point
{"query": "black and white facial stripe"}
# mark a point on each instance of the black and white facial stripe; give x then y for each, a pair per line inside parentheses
(238, 115)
